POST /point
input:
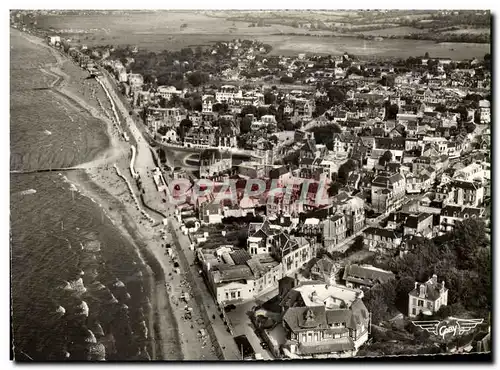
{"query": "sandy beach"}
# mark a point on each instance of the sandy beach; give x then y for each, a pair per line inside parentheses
(175, 336)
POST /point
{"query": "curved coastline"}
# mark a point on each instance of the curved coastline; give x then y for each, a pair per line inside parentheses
(120, 216)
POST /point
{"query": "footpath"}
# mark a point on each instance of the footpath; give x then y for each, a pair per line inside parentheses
(222, 340)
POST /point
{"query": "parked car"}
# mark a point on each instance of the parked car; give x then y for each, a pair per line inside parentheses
(229, 308)
(264, 345)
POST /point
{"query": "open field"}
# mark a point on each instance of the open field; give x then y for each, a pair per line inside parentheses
(396, 31)
(473, 31)
(162, 31)
(389, 47)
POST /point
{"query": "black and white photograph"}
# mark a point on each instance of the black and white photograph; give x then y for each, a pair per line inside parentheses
(250, 185)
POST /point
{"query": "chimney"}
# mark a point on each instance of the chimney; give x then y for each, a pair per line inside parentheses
(313, 296)
(416, 285)
(434, 279)
(442, 285)
(422, 291)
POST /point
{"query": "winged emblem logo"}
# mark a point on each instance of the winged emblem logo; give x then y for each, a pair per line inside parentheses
(450, 327)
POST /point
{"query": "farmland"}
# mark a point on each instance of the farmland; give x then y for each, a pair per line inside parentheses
(158, 31)
(396, 31)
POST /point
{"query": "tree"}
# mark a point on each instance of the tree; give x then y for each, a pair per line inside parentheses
(345, 169)
(197, 78)
(334, 188)
(354, 70)
(220, 108)
(174, 101)
(477, 118)
(467, 238)
(163, 102)
(184, 127)
(245, 125)
(386, 157)
(197, 105)
(421, 336)
(262, 111)
(387, 81)
(432, 63)
(198, 51)
(269, 98)
(287, 80)
(323, 134)
(163, 130)
(186, 53)
(249, 109)
(358, 244)
(440, 108)
(470, 127)
(374, 301)
(336, 95)
(426, 55)
(392, 111)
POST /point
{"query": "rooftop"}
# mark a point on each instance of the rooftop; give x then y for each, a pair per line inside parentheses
(322, 292)
(366, 274)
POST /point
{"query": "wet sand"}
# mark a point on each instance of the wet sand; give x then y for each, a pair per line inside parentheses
(175, 338)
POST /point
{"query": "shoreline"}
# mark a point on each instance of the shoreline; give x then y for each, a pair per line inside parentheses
(174, 334)
(121, 215)
(165, 345)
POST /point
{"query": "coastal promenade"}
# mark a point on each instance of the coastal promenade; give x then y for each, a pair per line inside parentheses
(225, 341)
(144, 163)
(174, 338)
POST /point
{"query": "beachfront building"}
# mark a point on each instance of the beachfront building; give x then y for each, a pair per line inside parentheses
(388, 191)
(236, 277)
(321, 320)
(162, 117)
(240, 275)
(135, 81)
(484, 111)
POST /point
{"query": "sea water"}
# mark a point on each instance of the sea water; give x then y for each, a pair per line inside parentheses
(78, 288)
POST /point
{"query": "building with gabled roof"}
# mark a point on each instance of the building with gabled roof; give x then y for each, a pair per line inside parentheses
(388, 191)
(324, 269)
(427, 298)
(323, 321)
(451, 214)
(377, 239)
(365, 276)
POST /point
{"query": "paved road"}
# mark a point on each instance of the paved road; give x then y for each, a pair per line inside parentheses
(143, 165)
(226, 340)
(346, 243)
(242, 325)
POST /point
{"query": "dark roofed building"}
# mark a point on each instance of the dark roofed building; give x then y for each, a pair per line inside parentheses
(365, 276)
(395, 143)
(451, 214)
(318, 327)
(419, 224)
(240, 256)
(382, 240)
